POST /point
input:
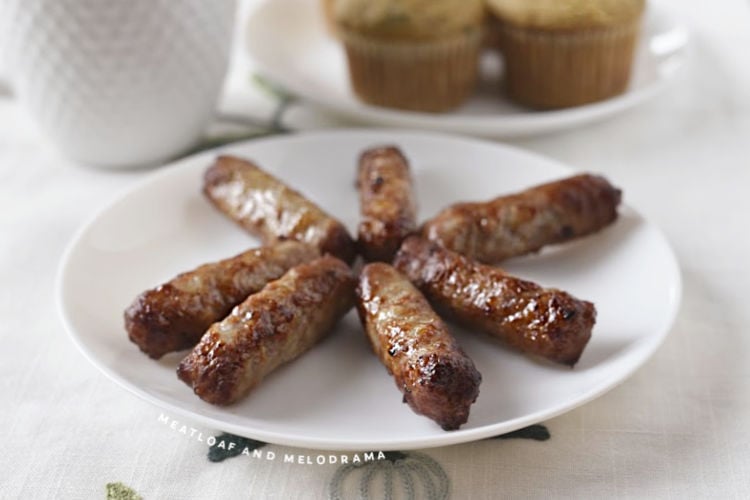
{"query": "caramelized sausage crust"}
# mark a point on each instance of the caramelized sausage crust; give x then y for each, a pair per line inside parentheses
(543, 322)
(434, 374)
(174, 315)
(525, 222)
(266, 207)
(268, 329)
(388, 203)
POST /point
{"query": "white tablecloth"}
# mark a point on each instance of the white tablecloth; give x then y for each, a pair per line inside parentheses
(678, 428)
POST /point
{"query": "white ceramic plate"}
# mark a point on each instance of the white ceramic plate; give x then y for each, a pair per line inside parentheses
(288, 41)
(338, 395)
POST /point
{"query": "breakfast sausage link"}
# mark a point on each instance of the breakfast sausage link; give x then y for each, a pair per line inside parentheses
(388, 203)
(270, 328)
(175, 315)
(266, 207)
(438, 380)
(539, 321)
(525, 222)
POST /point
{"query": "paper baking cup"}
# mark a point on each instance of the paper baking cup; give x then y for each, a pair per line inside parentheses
(419, 76)
(327, 10)
(557, 69)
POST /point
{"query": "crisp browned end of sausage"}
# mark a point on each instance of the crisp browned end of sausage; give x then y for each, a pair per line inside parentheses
(543, 322)
(388, 203)
(268, 329)
(174, 315)
(438, 380)
(525, 222)
(266, 207)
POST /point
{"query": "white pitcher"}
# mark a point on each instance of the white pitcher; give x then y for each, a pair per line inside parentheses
(117, 82)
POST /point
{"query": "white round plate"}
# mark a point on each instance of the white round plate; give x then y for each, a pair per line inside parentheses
(288, 41)
(338, 395)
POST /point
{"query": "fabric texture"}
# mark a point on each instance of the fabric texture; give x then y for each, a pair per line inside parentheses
(676, 429)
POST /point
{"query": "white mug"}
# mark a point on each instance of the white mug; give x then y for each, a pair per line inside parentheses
(118, 82)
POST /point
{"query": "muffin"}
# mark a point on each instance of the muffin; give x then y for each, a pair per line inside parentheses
(562, 53)
(419, 55)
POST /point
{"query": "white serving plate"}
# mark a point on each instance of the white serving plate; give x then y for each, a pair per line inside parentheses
(338, 395)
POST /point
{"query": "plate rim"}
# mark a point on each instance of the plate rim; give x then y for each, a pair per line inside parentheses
(521, 124)
(655, 340)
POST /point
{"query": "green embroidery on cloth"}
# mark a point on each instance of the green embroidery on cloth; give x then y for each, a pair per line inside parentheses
(260, 127)
(536, 432)
(270, 88)
(408, 475)
(228, 446)
(118, 491)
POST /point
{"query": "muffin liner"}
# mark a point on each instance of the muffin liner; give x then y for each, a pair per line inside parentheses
(556, 69)
(326, 7)
(428, 76)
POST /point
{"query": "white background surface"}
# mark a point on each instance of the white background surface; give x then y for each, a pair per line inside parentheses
(677, 429)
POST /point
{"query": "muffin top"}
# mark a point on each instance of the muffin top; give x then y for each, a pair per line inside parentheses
(408, 19)
(566, 14)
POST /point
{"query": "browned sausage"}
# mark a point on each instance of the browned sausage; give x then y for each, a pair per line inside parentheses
(388, 203)
(436, 377)
(175, 315)
(525, 222)
(266, 207)
(539, 321)
(270, 328)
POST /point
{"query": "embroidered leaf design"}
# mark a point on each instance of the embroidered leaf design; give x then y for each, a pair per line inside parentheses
(118, 491)
(221, 450)
(407, 475)
(270, 88)
(393, 456)
(536, 432)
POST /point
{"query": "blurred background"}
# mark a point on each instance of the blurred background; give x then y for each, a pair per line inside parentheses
(95, 95)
